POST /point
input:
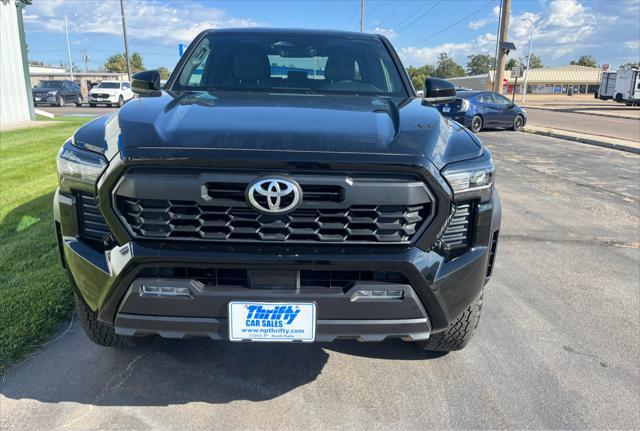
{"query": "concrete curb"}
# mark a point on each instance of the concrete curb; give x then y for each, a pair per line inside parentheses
(584, 139)
(573, 111)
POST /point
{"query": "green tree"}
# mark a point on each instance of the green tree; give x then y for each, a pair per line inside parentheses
(447, 67)
(117, 63)
(164, 72)
(585, 60)
(479, 64)
(635, 65)
(534, 63)
(419, 74)
(511, 64)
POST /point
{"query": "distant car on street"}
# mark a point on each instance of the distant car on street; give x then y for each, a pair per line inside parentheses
(57, 93)
(484, 109)
(110, 93)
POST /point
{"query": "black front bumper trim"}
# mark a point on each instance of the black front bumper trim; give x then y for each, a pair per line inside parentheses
(326, 330)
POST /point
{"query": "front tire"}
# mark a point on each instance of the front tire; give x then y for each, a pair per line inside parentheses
(459, 333)
(60, 101)
(476, 124)
(518, 123)
(120, 101)
(99, 333)
(93, 105)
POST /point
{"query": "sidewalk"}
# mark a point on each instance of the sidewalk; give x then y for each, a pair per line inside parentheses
(27, 125)
(602, 108)
(601, 141)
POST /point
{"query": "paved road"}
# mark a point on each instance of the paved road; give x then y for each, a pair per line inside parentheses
(620, 128)
(557, 347)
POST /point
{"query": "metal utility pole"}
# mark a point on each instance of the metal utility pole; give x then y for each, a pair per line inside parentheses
(526, 71)
(362, 17)
(66, 30)
(126, 43)
(504, 34)
(495, 59)
(85, 59)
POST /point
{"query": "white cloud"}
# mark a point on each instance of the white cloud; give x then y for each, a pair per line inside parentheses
(633, 44)
(484, 44)
(563, 29)
(387, 32)
(495, 14)
(165, 22)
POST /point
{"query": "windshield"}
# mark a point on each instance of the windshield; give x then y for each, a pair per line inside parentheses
(286, 63)
(109, 85)
(50, 84)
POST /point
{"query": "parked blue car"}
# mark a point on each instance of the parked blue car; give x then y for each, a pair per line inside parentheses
(484, 109)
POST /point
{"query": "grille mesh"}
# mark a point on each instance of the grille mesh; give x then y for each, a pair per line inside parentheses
(457, 235)
(312, 192)
(155, 218)
(308, 278)
(92, 225)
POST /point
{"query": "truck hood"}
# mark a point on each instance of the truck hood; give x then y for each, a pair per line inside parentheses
(282, 122)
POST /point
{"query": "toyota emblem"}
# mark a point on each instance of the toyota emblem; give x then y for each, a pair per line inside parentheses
(274, 195)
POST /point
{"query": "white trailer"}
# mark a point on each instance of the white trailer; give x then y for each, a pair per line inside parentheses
(607, 86)
(628, 87)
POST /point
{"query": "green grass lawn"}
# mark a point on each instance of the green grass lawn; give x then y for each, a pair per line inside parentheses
(34, 291)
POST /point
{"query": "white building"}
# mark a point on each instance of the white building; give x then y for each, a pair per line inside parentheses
(16, 103)
(546, 80)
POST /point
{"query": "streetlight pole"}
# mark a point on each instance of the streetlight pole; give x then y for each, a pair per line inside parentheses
(362, 17)
(66, 30)
(126, 43)
(526, 71)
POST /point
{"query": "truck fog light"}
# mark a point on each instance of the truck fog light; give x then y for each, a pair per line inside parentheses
(377, 294)
(164, 291)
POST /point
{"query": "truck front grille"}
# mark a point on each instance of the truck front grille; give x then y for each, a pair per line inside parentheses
(189, 205)
(176, 219)
(458, 232)
(312, 192)
(236, 277)
(91, 224)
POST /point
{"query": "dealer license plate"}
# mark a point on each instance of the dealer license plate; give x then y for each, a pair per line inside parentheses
(272, 321)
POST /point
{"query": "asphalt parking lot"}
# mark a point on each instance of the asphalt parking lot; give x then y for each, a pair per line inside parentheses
(557, 346)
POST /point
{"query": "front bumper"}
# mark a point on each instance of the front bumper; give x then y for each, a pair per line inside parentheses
(46, 98)
(110, 99)
(437, 290)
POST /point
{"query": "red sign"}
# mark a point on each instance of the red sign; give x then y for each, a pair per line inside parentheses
(505, 82)
(605, 67)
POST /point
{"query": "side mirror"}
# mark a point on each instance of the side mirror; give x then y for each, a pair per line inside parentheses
(438, 90)
(146, 83)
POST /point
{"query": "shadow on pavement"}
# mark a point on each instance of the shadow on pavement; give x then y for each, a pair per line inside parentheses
(162, 372)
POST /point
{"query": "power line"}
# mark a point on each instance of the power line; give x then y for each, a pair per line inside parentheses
(418, 17)
(354, 18)
(431, 36)
(390, 15)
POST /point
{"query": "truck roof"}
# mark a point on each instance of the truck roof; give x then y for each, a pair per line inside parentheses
(264, 30)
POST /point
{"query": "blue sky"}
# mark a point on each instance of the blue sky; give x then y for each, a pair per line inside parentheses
(419, 29)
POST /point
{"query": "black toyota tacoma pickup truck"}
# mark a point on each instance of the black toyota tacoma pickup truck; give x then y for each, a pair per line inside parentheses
(284, 185)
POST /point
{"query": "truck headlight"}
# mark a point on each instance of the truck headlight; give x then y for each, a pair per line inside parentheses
(471, 179)
(79, 166)
(52, 93)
